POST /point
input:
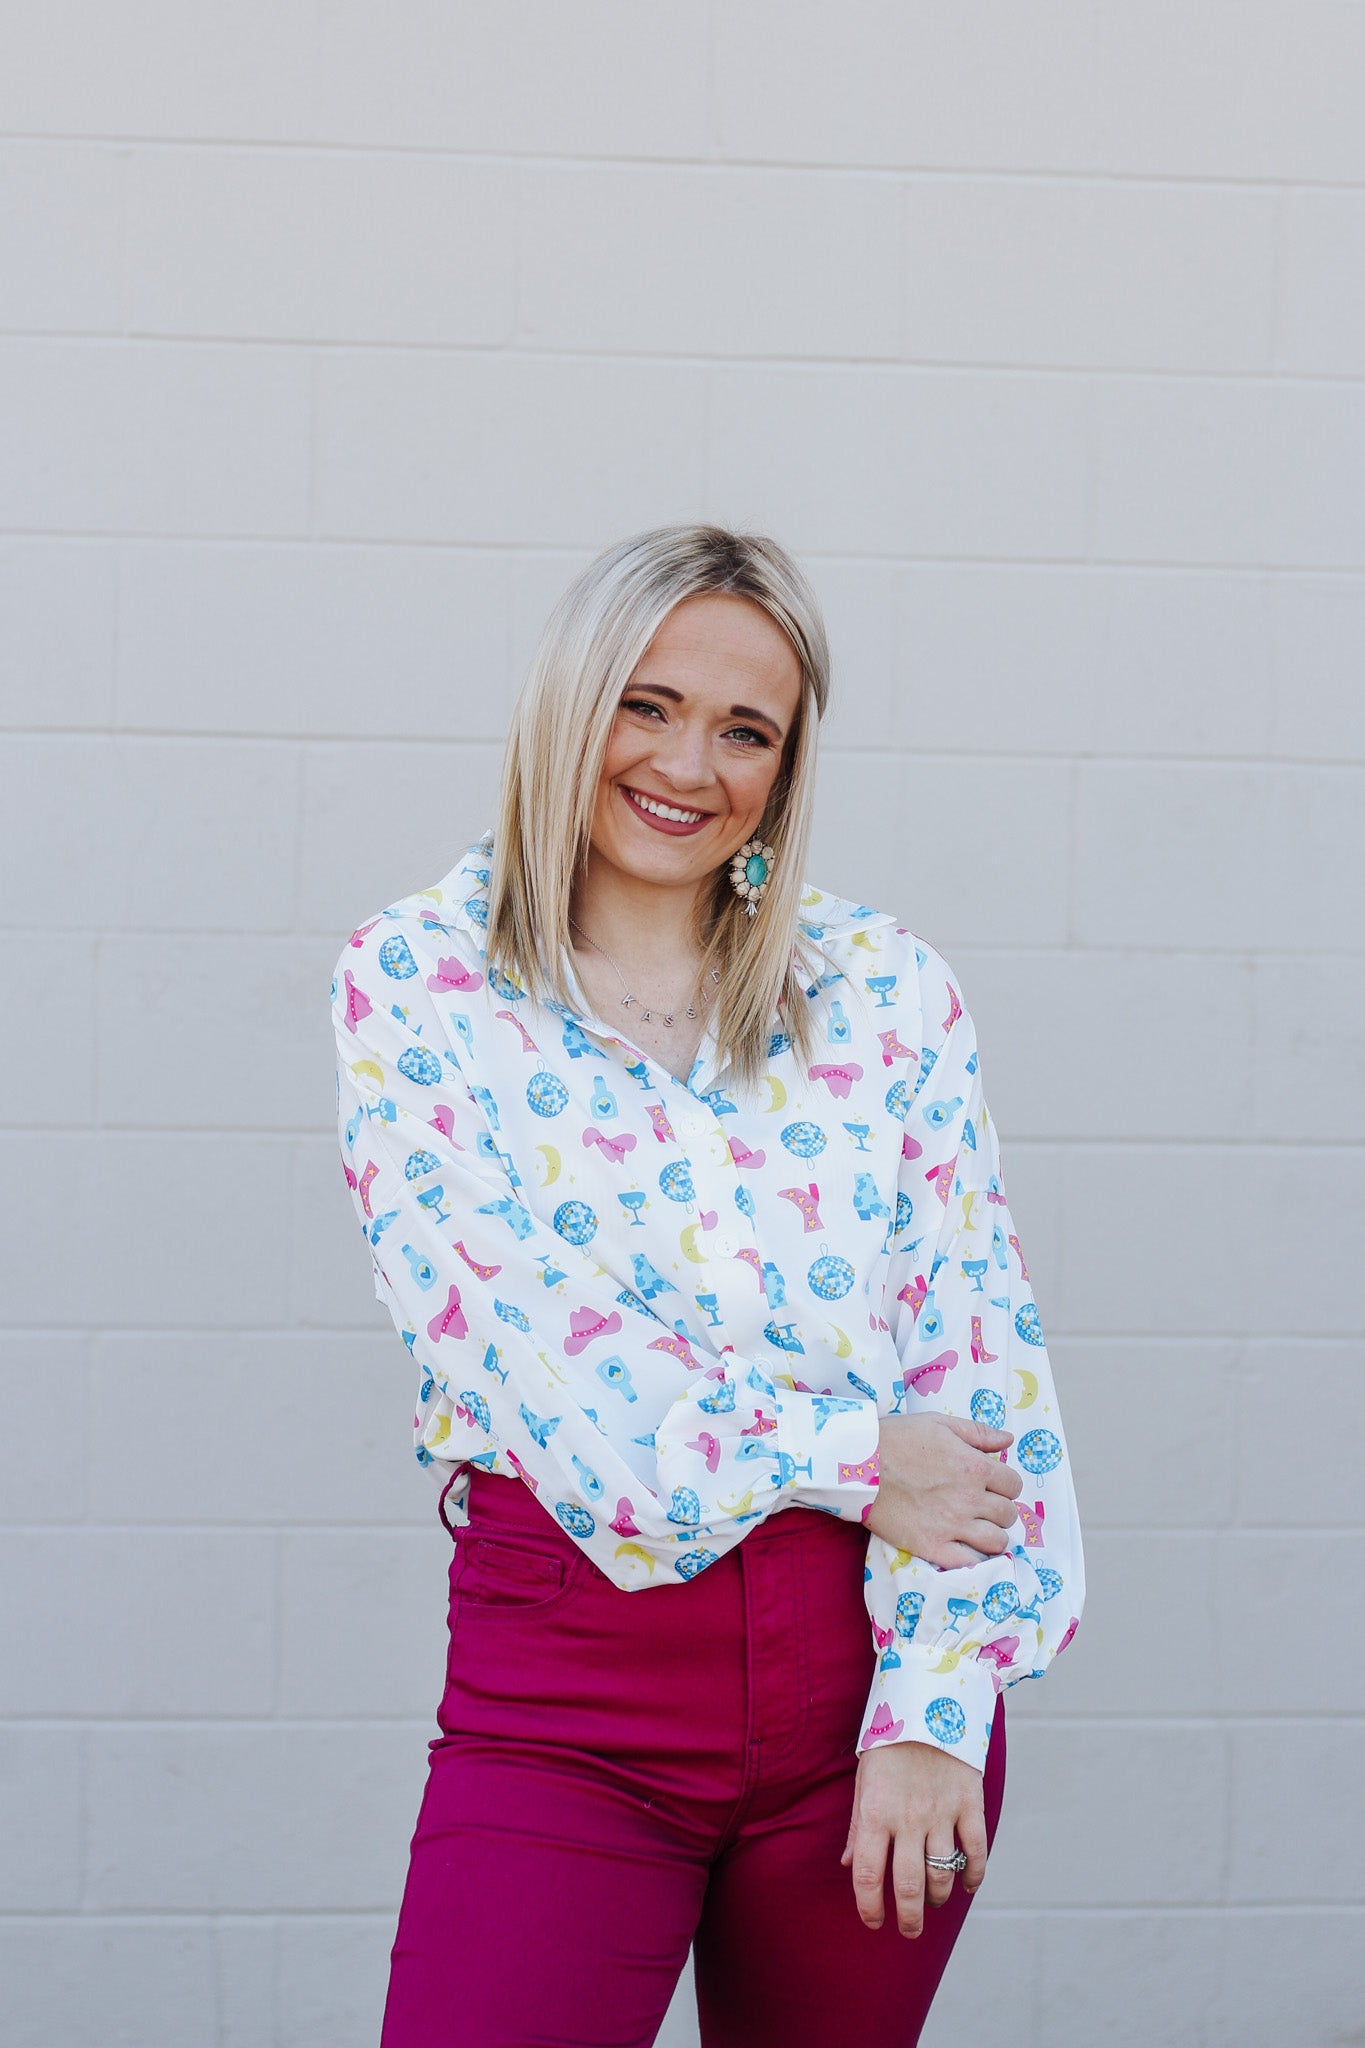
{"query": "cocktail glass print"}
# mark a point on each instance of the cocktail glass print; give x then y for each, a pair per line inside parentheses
(633, 1202)
(708, 1304)
(432, 1198)
(881, 986)
(961, 1610)
(860, 1133)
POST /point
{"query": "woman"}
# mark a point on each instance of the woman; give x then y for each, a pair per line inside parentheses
(678, 1181)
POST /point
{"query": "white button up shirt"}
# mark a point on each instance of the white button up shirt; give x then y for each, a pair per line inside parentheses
(673, 1309)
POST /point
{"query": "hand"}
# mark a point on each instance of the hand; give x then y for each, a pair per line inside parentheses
(943, 1493)
(912, 1799)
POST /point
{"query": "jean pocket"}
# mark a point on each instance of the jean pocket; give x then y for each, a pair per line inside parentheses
(497, 1575)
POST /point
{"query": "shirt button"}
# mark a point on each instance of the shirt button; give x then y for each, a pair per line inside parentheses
(694, 1122)
(724, 1244)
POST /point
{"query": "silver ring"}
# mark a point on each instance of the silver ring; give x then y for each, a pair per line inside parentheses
(957, 1861)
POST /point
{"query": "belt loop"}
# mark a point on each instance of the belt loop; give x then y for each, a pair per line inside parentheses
(441, 1504)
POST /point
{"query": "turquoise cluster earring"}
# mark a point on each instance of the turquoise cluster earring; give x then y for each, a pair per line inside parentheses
(749, 873)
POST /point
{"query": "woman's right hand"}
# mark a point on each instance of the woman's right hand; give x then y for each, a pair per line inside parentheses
(943, 1493)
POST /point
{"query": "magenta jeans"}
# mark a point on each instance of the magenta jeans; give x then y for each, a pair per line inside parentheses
(620, 1776)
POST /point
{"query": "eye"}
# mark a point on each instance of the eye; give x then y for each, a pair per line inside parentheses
(643, 704)
(748, 737)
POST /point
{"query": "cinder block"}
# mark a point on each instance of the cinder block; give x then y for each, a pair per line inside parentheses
(1172, 855)
(1044, 658)
(1316, 630)
(861, 603)
(331, 1280)
(1092, 1813)
(1179, 1243)
(997, 880)
(123, 1983)
(246, 1976)
(537, 577)
(333, 1977)
(61, 207)
(150, 834)
(913, 90)
(160, 69)
(606, 80)
(1301, 1420)
(1121, 276)
(50, 1044)
(305, 1429)
(209, 1033)
(992, 1951)
(1307, 1074)
(252, 1819)
(1155, 501)
(1315, 439)
(379, 820)
(1290, 1581)
(157, 1230)
(1289, 1975)
(1146, 1643)
(44, 1447)
(1129, 1979)
(1315, 834)
(363, 1622)
(900, 462)
(1150, 1425)
(138, 1622)
(709, 257)
(367, 642)
(40, 1809)
(127, 436)
(310, 245)
(1073, 1043)
(511, 449)
(1321, 327)
(1289, 1782)
(57, 602)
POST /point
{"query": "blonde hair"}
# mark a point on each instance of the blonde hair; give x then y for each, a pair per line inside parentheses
(594, 638)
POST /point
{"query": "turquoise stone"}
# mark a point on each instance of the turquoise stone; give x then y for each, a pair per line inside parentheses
(756, 870)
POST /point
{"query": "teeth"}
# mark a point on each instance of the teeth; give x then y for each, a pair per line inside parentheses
(669, 811)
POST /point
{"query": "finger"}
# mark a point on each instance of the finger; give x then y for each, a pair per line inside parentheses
(995, 1508)
(979, 1434)
(907, 1879)
(1004, 1479)
(988, 1537)
(938, 1884)
(946, 1555)
(971, 1832)
(869, 1873)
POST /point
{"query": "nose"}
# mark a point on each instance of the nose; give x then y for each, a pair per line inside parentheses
(682, 756)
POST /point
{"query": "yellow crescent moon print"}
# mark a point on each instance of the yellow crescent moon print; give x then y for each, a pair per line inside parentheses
(843, 1348)
(777, 1092)
(1028, 1388)
(551, 1158)
(371, 1069)
(687, 1239)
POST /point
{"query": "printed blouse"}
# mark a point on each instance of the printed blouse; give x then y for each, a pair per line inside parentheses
(675, 1308)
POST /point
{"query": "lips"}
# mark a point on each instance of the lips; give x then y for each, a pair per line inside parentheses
(684, 827)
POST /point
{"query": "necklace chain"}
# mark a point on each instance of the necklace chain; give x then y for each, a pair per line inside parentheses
(666, 1017)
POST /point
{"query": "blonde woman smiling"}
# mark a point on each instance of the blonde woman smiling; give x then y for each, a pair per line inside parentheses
(678, 1181)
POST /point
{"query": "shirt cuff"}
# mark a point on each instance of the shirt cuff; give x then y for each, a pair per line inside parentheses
(829, 1451)
(911, 1701)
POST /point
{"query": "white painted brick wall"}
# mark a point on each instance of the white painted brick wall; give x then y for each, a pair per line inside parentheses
(331, 342)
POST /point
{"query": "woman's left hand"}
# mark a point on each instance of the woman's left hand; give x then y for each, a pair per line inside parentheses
(913, 1800)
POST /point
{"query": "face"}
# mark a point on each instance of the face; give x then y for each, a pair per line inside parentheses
(699, 740)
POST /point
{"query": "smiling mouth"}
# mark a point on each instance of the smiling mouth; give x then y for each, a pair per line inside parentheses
(665, 817)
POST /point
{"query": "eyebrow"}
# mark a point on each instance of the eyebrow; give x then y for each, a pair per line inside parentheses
(736, 710)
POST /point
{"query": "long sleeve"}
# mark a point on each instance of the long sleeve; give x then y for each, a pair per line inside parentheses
(533, 1357)
(970, 1342)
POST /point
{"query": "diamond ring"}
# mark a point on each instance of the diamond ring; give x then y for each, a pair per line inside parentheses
(957, 1861)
